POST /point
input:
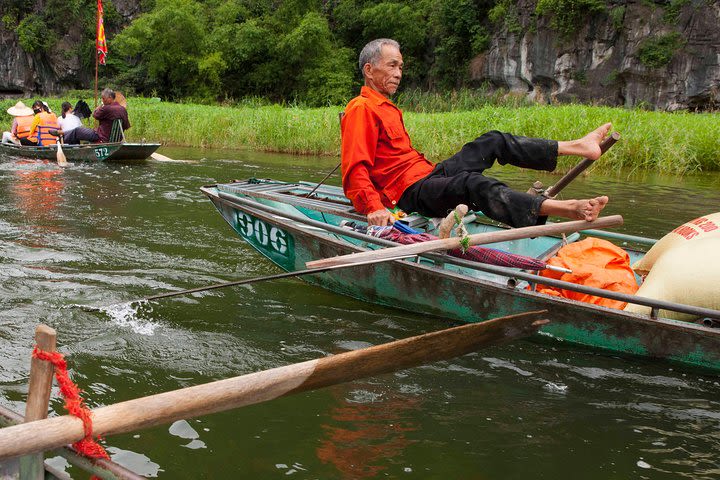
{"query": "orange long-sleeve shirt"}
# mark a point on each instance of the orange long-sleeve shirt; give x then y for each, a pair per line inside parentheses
(378, 160)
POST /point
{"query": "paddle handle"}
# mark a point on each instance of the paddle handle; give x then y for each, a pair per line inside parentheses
(476, 239)
(580, 167)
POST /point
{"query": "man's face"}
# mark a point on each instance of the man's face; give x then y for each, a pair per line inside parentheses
(107, 100)
(384, 77)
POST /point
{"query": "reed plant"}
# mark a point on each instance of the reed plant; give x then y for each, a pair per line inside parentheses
(677, 143)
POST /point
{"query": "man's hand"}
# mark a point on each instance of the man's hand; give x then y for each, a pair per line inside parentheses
(380, 217)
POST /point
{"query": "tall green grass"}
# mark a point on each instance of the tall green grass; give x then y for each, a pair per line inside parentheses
(676, 143)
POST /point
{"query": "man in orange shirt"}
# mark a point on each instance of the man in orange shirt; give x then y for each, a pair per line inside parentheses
(381, 169)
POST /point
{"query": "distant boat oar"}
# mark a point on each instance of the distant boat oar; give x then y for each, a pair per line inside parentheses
(246, 281)
(476, 239)
(258, 387)
(160, 157)
(61, 159)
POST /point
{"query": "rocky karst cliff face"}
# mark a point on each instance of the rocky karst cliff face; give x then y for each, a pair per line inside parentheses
(602, 61)
(54, 71)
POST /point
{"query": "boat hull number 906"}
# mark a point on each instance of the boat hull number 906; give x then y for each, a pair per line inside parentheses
(263, 235)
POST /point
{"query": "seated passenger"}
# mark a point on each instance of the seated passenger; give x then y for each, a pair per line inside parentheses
(68, 121)
(106, 114)
(43, 122)
(22, 121)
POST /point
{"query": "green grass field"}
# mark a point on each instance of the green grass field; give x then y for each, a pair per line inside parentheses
(675, 143)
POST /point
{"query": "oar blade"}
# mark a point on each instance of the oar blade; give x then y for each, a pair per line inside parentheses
(61, 159)
(160, 157)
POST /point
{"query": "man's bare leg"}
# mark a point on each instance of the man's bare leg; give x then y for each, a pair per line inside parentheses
(588, 209)
(587, 146)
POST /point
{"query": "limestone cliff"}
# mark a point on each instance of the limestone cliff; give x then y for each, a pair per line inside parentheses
(602, 61)
(53, 71)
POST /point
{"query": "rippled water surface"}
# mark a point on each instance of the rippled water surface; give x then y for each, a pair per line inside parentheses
(107, 233)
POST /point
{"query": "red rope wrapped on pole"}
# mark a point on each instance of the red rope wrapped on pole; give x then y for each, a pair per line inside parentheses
(74, 404)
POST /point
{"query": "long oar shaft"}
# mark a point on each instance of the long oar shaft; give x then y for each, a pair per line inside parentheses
(247, 281)
(476, 239)
(267, 385)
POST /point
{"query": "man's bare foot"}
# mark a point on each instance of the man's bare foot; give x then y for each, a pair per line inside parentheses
(587, 146)
(587, 209)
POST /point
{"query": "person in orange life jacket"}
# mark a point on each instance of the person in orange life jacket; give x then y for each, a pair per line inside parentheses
(106, 114)
(43, 122)
(22, 121)
(381, 169)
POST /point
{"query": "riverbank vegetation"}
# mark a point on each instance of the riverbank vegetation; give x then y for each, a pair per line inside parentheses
(677, 143)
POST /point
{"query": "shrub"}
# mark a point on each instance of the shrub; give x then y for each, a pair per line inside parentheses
(33, 34)
(617, 16)
(657, 52)
(567, 15)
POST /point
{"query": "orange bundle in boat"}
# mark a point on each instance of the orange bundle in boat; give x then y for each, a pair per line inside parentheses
(594, 263)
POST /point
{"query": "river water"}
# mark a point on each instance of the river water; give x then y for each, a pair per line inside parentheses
(97, 234)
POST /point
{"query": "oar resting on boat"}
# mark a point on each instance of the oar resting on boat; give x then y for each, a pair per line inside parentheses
(476, 239)
(490, 256)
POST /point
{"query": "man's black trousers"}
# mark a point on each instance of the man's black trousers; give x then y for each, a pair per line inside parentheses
(460, 179)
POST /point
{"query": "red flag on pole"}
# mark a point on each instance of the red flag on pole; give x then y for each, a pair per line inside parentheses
(100, 43)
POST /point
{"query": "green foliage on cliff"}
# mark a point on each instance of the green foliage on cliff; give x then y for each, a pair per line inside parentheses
(39, 25)
(32, 34)
(568, 15)
(657, 52)
(505, 14)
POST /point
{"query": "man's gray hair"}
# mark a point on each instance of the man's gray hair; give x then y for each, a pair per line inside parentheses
(108, 93)
(372, 52)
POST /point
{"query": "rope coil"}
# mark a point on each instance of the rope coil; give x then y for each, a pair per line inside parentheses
(74, 404)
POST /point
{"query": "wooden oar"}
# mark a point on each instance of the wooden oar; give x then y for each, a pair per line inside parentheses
(277, 276)
(477, 239)
(267, 385)
(61, 160)
(160, 157)
(580, 167)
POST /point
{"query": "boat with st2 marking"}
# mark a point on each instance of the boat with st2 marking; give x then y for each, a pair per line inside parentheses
(90, 152)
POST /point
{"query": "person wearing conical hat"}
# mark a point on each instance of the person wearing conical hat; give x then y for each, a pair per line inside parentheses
(22, 123)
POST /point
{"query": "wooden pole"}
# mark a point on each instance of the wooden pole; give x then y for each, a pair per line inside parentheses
(234, 283)
(95, 466)
(97, 22)
(477, 239)
(267, 385)
(41, 372)
(580, 167)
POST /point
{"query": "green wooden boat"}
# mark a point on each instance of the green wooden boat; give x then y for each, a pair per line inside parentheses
(90, 152)
(290, 228)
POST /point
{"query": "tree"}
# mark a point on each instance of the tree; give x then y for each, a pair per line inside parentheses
(167, 43)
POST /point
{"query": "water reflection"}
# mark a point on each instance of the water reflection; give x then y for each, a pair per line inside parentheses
(37, 190)
(369, 430)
